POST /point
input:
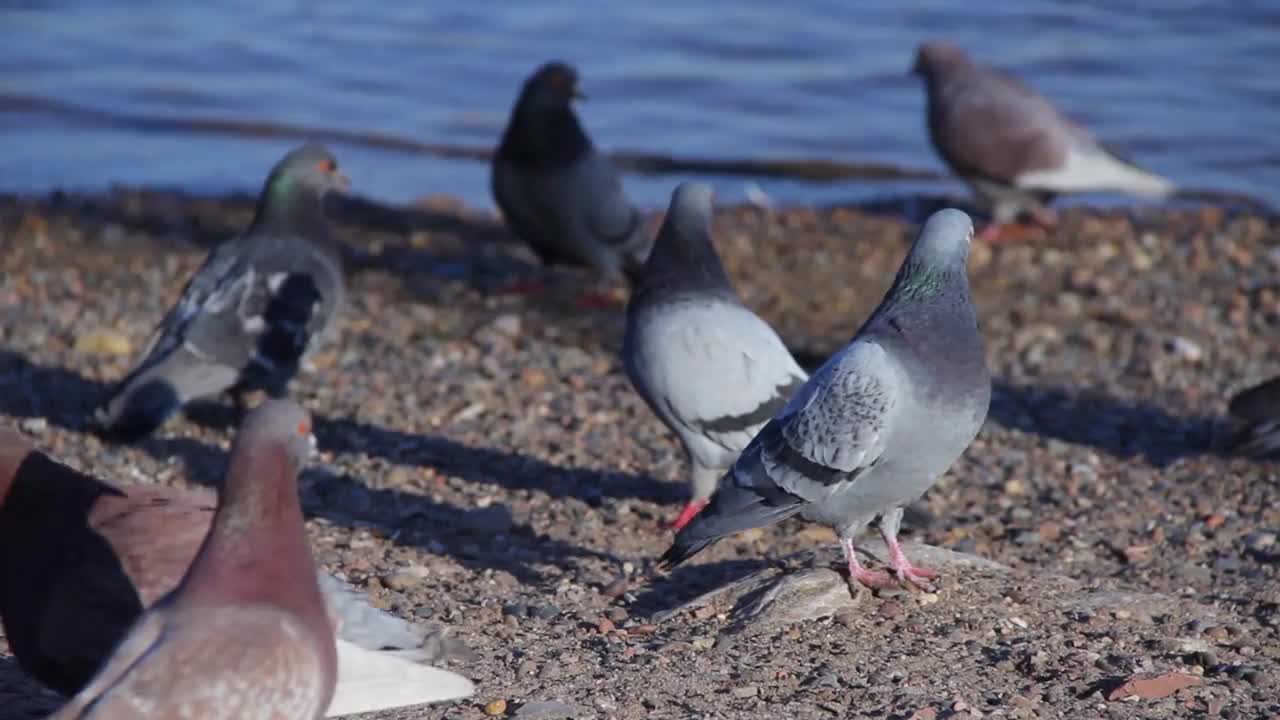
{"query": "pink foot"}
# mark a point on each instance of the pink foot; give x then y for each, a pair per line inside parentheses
(870, 578)
(690, 511)
(907, 573)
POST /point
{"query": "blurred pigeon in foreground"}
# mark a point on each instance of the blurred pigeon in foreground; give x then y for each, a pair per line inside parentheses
(708, 367)
(246, 633)
(1011, 145)
(250, 312)
(555, 191)
(80, 560)
(877, 424)
(1258, 411)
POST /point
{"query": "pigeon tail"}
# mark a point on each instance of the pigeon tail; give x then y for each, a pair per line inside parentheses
(732, 510)
(136, 411)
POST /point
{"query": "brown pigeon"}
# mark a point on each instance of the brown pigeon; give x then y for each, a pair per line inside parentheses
(246, 634)
(79, 562)
(1011, 144)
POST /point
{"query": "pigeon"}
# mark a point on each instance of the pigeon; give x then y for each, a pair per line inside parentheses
(79, 562)
(250, 313)
(556, 192)
(1257, 414)
(708, 367)
(246, 633)
(1013, 147)
(875, 425)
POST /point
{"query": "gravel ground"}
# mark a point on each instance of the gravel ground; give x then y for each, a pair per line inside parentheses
(486, 466)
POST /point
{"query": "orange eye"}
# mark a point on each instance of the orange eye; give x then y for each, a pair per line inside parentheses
(327, 166)
(304, 428)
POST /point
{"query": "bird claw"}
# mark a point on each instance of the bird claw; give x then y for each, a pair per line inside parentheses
(873, 579)
(917, 578)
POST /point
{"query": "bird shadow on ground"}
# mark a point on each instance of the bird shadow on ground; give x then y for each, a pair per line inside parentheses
(65, 399)
(21, 697)
(685, 583)
(1123, 428)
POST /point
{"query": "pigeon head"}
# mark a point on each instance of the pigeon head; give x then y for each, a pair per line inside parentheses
(544, 133)
(683, 258)
(309, 168)
(279, 426)
(936, 57)
(938, 261)
(553, 86)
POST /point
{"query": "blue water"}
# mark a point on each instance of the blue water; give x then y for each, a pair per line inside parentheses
(1189, 89)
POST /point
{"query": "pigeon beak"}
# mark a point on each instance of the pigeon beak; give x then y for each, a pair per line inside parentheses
(341, 182)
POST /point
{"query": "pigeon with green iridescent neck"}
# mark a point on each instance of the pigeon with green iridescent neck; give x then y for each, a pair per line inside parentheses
(877, 424)
(710, 369)
(250, 313)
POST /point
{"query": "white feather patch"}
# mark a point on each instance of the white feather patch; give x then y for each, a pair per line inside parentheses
(1093, 169)
(369, 680)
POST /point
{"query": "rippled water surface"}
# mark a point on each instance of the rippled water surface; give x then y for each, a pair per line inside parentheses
(1189, 89)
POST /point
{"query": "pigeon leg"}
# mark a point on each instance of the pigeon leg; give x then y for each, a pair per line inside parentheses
(691, 510)
(907, 573)
(870, 578)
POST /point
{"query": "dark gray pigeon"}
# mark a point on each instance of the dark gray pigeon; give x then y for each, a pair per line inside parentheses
(247, 317)
(1012, 145)
(1257, 412)
(709, 368)
(877, 424)
(555, 191)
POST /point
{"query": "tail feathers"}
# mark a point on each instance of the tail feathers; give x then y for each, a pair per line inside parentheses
(142, 402)
(732, 510)
(370, 681)
(1094, 168)
(362, 624)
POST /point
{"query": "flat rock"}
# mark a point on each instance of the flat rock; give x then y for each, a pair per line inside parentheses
(549, 710)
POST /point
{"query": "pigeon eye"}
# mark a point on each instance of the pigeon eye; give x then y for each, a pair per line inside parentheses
(327, 166)
(304, 428)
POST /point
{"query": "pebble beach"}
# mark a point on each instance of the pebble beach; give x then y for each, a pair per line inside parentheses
(485, 466)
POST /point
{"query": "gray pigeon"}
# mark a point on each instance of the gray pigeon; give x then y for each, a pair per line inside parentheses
(1257, 412)
(1013, 147)
(877, 424)
(246, 633)
(709, 368)
(247, 317)
(555, 191)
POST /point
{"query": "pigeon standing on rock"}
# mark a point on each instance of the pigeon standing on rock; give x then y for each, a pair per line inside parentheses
(708, 367)
(80, 560)
(1013, 147)
(555, 191)
(251, 311)
(877, 424)
(246, 633)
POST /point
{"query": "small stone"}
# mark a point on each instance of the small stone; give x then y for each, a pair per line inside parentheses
(103, 342)
(605, 625)
(703, 643)
(496, 708)
(746, 691)
(33, 425)
(400, 581)
(508, 325)
(927, 598)
(517, 610)
(1154, 687)
(616, 614)
(1185, 349)
(546, 612)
